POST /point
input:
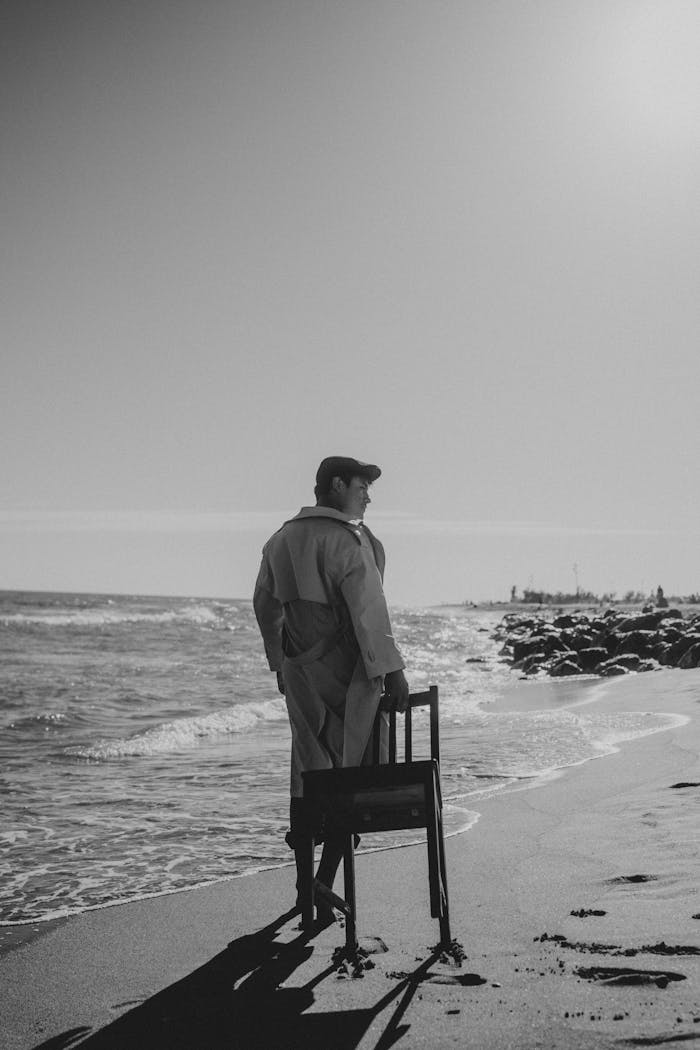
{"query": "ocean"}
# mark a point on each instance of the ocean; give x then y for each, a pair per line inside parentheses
(144, 748)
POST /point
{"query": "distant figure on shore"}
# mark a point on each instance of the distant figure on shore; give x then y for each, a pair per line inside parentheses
(320, 606)
(661, 600)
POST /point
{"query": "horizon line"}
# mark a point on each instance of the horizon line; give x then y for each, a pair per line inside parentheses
(393, 522)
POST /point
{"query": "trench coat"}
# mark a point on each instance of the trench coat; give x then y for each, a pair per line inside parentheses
(320, 606)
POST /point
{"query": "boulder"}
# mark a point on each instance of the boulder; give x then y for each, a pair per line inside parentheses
(577, 639)
(564, 667)
(553, 643)
(528, 623)
(645, 622)
(639, 642)
(648, 621)
(610, 641)
(590, 658)
(691, 657)
(678, 649)
(613, 669)
(630, 662)
(599, 630)
(522, 647)
(532, 663)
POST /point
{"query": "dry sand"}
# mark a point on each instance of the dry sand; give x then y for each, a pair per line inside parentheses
(576, 901)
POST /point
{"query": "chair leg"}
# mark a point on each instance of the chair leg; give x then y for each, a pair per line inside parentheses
(445, 936)
(437, 868)
(351, 944)
(433, 876)
(331, 856)
(443, 865)
(433, 855)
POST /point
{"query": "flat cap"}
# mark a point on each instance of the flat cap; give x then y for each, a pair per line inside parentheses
(332, 466)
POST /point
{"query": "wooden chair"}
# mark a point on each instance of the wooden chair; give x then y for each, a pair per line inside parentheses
(389, 797)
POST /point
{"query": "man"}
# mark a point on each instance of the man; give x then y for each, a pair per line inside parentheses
(320, 606)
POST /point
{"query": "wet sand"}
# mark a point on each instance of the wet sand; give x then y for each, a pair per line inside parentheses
(577, 903)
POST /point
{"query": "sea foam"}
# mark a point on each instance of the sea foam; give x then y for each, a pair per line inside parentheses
(183, 733)
(107, 617)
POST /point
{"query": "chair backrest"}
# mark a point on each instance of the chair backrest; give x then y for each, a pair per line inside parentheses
(428, 698)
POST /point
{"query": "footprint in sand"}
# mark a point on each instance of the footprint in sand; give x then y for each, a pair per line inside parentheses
(466, 980)
(622, 975)
(633, 878)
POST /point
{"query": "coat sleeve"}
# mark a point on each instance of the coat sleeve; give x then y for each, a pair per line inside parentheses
(363, 593)
(269, 614)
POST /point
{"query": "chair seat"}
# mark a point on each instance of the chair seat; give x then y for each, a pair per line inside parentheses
(373, 798)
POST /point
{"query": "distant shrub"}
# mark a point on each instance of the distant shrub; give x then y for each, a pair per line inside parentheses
(532, 597)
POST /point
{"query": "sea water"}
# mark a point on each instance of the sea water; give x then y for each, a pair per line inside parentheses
(144, 748)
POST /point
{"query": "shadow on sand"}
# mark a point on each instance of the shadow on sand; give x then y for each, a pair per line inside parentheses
(235, 1001)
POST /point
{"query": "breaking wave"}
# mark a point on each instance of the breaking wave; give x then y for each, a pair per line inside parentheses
(183, 733)
(107, 617)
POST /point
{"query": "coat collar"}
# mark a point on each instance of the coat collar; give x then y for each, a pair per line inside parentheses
(325, 512)
(353, 525)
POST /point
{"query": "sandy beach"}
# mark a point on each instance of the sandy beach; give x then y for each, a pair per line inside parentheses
(576, 901)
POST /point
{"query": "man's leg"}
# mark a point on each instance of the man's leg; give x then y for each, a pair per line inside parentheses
(331, 855)
(315, 703)
(299, 839)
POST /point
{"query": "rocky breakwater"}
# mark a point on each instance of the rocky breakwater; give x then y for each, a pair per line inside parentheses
(611, 643)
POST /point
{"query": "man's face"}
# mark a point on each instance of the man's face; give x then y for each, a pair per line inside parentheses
(353, 498)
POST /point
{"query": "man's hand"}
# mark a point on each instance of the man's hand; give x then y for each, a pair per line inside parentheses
(280, 682)
(395, 692)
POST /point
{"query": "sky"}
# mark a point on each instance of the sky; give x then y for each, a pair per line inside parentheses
(457, 239)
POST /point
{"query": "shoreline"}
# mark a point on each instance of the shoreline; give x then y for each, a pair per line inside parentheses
(590, 872)
(521, 695)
